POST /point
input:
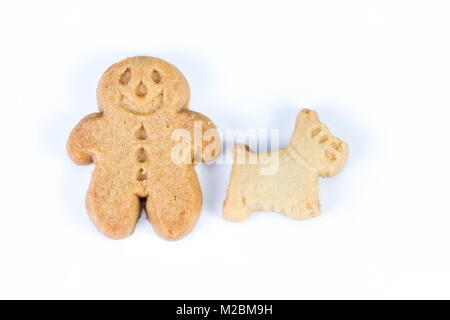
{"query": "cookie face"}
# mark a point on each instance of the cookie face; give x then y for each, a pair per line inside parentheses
(141, 85)
(293, 189)
(314, 141)
(142, 101)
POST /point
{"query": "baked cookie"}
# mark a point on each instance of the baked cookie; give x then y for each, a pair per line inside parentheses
(293, 188)
(142, 100)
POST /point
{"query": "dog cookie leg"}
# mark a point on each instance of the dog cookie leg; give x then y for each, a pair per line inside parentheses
(234, 207)
(236, 204)
(112, 210)
(305, 209)
(174, 208)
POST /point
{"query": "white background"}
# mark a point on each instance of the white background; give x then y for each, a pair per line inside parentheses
(378, 73)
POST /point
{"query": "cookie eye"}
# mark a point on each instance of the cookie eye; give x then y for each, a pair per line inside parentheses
(125, 77)
(323, 139)
(156, 77)
(315, 132)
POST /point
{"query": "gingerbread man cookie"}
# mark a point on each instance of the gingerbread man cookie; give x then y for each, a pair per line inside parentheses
(293, 188)
(141, 100)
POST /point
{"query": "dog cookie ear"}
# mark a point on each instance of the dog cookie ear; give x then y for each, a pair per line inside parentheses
(306, 117)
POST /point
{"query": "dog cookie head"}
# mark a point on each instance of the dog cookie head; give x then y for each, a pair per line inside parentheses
(317, 145)
(142, 85)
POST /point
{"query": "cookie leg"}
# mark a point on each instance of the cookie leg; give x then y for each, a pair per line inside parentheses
(113, 211)
(174, 205)
(235, 206)
(304, 210)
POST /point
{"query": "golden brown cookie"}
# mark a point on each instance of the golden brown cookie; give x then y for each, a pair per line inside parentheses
(291, 186)
(142, 100)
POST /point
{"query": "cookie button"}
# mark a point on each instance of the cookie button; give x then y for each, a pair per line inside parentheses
(141, 133)
(141, 175)
(141, 155)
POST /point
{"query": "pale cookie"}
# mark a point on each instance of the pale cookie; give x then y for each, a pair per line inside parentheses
(142, 100)
(291, 186)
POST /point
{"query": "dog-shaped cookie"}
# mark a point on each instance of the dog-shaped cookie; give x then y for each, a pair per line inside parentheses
(141, 100)
(293, 189)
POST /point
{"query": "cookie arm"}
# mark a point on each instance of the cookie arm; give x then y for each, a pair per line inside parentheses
(205, 138)
(83, 139)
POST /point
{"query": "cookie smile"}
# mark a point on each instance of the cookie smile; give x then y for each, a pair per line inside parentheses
(145, 107)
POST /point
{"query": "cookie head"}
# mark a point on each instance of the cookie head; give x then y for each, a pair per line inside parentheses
(142, 85)
(319, 147)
